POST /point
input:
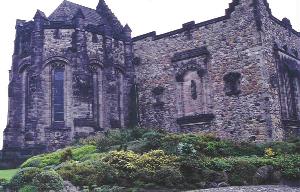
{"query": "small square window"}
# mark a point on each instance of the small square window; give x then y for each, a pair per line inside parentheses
(232, 83)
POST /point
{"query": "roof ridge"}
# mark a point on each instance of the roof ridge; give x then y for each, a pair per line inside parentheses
(103, 8)
(79, 5)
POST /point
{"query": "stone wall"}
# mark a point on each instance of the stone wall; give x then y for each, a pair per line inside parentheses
(234, 44)
(277, 36)
(97, 73)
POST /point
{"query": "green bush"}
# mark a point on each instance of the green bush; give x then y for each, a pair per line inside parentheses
(168, 177)
(82, 152)
(29, 188)
(106, 174)
(103, 144)
(24, 177)
(289, 166)
(241, 173)
(191, 168)
(66, 155)
(88, 173)
(79, 174)
(54, 158)
(3, 181)
(122, 160)
(48, 180)
(43, 160)
(153, 140)
(281, 148)
(154, 160)
(138, 132)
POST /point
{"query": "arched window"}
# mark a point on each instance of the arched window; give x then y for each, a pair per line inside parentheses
(58, 93)
(97, 104)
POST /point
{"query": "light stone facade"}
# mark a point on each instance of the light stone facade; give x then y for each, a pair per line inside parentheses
(239, 83)
(78, 72)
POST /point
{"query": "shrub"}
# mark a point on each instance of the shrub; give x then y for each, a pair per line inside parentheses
(48, 180)
(105, 173)
(90, 140)
(289, 166)
(79, 174)
(43, 160)
(88, 173)
(186, 149)
(269, 152)
(3, 182)
(191, 169)
(29, 188)
(103, 144)
(219, 164)
(54, 158)
(281, 148)
(24, 177)
(66, 155)
(241, 173)
(138, 132)
(153, 140)
(122, 160)
(137, 146)
(154, 160)
(80, 153)
(168, 176)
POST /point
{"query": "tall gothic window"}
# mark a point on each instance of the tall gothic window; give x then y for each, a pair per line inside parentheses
(120, 85)
(58, 93)
(97, 104)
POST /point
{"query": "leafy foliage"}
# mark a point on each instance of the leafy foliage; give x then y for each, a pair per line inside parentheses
(151, 158)
(29, 188)
(47, 181)
(88, 173)
(55, 158)
(66, 155)
(24, 177)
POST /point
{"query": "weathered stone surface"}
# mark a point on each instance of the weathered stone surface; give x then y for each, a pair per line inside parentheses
(61, 89)
(241, 43)
(264, 175)
(69, 187)
(223, 184)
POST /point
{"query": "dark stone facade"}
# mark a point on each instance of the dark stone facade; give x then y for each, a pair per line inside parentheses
(78, 72)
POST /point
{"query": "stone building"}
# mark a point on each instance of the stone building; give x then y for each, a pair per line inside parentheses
(78, 72)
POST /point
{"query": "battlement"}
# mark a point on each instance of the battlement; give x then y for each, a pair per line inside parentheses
(192, 25)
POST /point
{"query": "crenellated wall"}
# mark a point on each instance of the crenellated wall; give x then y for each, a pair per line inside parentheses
(237, 43)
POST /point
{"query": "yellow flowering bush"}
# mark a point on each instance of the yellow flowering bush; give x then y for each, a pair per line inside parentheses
(156, 159)
(269, 152)
(122, 160)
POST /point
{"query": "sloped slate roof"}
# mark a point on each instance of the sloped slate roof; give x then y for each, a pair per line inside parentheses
(66, 11)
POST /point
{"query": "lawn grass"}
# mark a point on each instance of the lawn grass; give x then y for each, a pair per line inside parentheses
(8, 174)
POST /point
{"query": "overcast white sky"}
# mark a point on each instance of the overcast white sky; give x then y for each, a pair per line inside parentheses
(142, 15)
